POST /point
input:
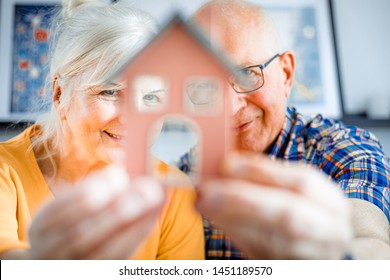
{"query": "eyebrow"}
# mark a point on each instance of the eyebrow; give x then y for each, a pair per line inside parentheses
(115, 84)
(155, 91)
(246, 64)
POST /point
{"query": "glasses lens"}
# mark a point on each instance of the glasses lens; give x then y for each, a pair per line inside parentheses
(248, 79)
(203, 92)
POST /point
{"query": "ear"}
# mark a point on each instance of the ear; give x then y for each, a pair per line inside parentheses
(288, 66)
(56, 88)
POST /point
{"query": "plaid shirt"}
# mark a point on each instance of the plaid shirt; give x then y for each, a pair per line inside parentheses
(351, 156)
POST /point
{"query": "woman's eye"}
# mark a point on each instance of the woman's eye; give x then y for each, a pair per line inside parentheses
(109, 95)
(151, 98)
(109, 92)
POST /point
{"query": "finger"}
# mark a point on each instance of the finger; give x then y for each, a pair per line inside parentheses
(85, 199)
(121, 242)
(260, 169)
(143, 198)
(298, 178)
(266, 244)
(257, 244)
(82, 199)
(124, 243)
(278, 225)
(228, 205)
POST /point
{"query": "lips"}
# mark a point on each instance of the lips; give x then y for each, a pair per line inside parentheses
(243, 126)
(247, 118)
(114, 136)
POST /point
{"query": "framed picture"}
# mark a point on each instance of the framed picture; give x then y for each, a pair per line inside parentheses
(305, 27)
(24, 34)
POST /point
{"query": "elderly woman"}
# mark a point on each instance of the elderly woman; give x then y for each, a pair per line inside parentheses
(60, 180)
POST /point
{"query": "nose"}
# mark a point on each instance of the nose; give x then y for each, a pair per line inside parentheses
(238, 101)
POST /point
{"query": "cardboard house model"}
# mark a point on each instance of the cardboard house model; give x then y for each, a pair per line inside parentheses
(177, 77)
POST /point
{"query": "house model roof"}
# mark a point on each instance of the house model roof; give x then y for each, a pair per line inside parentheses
(195, 32)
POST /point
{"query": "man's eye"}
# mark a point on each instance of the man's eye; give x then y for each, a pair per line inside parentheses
(247, 72)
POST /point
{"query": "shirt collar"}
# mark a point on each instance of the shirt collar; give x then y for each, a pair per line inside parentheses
(281, 142)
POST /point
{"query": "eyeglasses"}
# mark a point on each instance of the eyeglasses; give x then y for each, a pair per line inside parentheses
(203, 91)
(250, 78)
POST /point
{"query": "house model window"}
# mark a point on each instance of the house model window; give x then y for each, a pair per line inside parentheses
(150, 93)
(203, 96)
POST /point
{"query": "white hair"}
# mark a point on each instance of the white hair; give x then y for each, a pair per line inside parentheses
(93, 36)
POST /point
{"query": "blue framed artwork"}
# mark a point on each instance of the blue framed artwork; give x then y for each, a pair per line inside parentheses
(24, 56)
(30, 56)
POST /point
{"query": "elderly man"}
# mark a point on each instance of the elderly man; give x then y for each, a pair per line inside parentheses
(292, 205)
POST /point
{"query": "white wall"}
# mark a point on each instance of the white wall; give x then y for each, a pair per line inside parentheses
(383, 135)
(363, 40)
(362, 29)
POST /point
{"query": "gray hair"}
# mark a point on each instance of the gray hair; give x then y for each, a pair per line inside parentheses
(93, 36)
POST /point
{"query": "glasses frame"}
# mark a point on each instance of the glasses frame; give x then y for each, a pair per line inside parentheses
(216, 90)
(261, 67)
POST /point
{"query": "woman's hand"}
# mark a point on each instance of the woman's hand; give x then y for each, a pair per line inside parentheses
(103, 216)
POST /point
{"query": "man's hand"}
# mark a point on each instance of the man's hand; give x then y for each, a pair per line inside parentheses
(101, 217)
(275, 211)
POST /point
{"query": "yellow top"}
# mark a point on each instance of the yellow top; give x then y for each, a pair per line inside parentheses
(178, 233)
